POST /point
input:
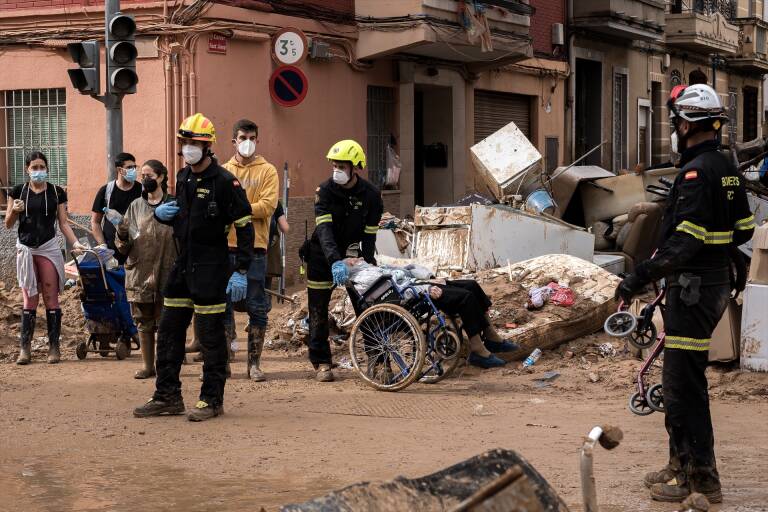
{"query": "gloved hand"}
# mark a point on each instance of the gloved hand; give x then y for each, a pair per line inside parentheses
(628, 288)
(237, 288)
(738, 273)
(78, 248)
(340, 273)
(166, 211)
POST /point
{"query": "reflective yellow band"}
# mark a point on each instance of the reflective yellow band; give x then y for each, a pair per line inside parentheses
(371, 230)
(320, 285)
(745, 224)
(210, 310)
(242, 221)
(683, 343)
(323, 218)
(177, 303)
(708, 237)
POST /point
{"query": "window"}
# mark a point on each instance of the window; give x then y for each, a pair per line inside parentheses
(33, 119)
(381, 128)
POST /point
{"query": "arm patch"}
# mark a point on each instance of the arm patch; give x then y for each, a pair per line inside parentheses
(691, 175)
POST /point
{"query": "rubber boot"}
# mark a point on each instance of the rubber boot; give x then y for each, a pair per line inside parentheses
(53, 317)
(255, 347)
(28, 317)
(147, 340)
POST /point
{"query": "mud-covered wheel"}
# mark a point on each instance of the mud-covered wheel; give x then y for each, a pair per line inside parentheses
(642, 339)
(441, 368)
(122, 350)
(655, 398)
(81, 350)
(387, 347)
(104, 347)
(620, 324)
(639, 405)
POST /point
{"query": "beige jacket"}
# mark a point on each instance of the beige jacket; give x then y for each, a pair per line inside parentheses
(151, 252)
(259, 180)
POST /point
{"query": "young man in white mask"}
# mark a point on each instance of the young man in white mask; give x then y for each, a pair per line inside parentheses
(259, 180)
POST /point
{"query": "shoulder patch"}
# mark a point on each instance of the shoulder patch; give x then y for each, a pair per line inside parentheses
(691, 175)
(235, 183)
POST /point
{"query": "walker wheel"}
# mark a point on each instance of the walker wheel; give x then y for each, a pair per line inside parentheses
(122, 350)
(620, 324)
(643, 339)
(655, 398)
(639, 405)
(82, 350)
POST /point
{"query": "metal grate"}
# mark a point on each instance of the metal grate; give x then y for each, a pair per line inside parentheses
(381, 121)
(34, 119)
(733, 114)
(619, 122)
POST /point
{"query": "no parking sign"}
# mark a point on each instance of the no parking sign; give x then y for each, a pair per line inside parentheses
(288, 86)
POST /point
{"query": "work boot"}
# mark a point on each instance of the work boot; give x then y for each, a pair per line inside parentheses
(660, 477)
(27, 332)
(147, 341)
(204, 411)
(324, 373)
(255, 347)
(671, 492)
(155, 407)
(53, 318)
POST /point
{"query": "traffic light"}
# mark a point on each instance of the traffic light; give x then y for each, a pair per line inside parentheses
(86, 79)
(121, 55)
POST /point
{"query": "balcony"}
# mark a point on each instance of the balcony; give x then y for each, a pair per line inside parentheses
(434, 29)
(703, 26)
(753, 53)
(625, 19)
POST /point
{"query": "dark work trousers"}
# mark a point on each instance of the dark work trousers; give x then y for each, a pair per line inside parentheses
(179, 304)
(688, 421)
(466, 299)
(319, 289)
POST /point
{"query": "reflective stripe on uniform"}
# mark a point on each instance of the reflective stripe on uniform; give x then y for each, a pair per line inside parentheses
(371, 230)
(745, 224)
(320, 285)
(323, 218)
(210, 310)
(242, 221)
(177, 303)
(683, 343)
(708, 237)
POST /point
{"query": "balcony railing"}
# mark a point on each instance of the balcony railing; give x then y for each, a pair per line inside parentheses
(626, 19)
(728, 8)
(753, 46)
(703, 26)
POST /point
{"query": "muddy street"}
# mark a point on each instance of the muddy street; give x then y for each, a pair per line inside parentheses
(70, 442)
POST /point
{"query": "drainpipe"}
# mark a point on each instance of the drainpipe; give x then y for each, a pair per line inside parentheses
(170, 129)
(571, 121)
(177, 95)
(185, 91)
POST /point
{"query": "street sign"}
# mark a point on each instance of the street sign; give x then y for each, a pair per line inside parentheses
(217, 43)
(289, 46)
(288, 86)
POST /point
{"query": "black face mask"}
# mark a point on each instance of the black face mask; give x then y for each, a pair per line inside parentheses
(149, 184)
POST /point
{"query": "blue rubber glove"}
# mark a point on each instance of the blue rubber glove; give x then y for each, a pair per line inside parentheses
(340, 273)
(237, 288)
(167, 211)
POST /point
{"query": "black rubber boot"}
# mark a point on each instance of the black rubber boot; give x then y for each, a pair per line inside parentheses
(53, 317)
(255, 347)
(28, 317)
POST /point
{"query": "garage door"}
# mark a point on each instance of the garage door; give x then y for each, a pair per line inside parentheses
(494, 110)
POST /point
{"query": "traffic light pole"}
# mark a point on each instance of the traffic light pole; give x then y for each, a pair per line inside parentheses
(112, 102)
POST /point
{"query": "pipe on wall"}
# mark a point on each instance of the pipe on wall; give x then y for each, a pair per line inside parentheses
(570, 120)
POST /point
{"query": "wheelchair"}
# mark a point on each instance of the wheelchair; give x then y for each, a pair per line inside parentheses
(399, 336)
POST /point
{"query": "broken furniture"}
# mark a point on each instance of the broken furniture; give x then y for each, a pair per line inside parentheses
(637, 237)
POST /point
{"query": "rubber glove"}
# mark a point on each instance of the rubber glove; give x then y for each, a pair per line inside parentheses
(340, 273)
(166, 211)
(78, 248)
(628, 288)
(237, 288)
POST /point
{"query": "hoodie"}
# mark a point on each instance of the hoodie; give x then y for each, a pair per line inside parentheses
(259, 180)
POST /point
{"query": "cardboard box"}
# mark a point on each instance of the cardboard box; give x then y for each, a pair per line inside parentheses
(758, 270)
(726, 338)
(754, 329)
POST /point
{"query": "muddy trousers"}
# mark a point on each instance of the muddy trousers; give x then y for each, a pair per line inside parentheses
(466, 299)
(686, 400)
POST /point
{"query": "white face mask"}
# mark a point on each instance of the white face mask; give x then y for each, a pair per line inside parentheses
(673, 140)
(192, 154)
(246, 148)
(340, 177)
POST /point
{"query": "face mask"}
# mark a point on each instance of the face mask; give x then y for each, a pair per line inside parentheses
(130, 174)
(192, 154)
(673, 140)
(246, 148)
(149, 184)
(38, 176)
(340, 177)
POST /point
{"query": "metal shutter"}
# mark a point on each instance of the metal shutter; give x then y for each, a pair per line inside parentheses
(494, 110)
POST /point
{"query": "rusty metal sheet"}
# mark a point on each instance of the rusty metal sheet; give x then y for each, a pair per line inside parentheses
(443, 215)
(444, 247)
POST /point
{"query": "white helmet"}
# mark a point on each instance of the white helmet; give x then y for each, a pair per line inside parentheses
(697, 103)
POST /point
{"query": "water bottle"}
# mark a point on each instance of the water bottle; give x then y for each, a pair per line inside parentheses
(531, 359)
(113, 216)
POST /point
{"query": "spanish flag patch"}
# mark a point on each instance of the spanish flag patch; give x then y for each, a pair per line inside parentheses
(691, 175)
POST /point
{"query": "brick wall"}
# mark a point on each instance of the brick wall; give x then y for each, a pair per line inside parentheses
(547, 13)
(43, 4)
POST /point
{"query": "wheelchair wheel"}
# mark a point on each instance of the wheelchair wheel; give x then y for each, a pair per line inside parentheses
(438, 367)
(655, 398)
(122, 350)
(620, 324)
(644, 339)
(387, 347)
(82, 350)
(639, 405)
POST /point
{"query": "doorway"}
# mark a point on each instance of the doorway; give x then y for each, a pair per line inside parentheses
(750, 114)
(589, 109)
(433, 142)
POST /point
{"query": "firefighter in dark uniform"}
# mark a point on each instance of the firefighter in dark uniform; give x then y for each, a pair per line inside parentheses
(347, 211)
(209, 200)
(706, 218)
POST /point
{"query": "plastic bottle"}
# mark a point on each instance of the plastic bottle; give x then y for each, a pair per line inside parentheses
(531, 359)
(113, 216)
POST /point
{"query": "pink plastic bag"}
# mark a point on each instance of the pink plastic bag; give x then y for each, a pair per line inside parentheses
(561, 295)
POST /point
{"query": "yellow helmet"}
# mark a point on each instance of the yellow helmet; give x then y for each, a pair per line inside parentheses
(347, 151)
(197, 127)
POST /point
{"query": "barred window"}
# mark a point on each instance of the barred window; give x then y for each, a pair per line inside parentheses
(33, 119)
(381, 127)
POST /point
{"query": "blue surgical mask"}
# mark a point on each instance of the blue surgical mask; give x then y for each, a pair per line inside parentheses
(130, 174)
(38, 176)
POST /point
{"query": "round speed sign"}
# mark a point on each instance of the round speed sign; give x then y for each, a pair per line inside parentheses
(289, 46)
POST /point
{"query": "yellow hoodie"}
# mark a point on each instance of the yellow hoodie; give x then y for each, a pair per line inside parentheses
(259, 180)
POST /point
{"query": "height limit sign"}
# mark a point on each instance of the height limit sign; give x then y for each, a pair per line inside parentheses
(289, 47)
